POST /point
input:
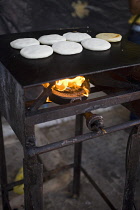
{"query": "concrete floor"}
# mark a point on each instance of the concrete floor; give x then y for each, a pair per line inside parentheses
(103, 158)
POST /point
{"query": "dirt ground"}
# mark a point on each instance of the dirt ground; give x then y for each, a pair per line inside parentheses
(103, 158)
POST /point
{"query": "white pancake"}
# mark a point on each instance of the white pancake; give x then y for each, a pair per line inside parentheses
(51, 39)
(36, 51)
(96, 44)
(65, 34)
(67, 48)
(24, 42)
(110, 37)
(76, 36)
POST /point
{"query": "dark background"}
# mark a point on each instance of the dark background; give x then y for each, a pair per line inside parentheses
(32, 15)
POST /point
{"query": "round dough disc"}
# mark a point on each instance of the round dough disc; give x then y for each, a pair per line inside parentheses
(76, 36)
(24, 42)
(110, 37)
(36, 51)
(67, 48)
(96, 44)
(51, 39)
(65, 34)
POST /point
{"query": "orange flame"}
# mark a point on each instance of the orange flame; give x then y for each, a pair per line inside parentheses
(74, 83)
(45, 85)
(68, 85)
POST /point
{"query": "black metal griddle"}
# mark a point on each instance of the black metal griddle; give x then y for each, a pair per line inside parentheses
(32, 72)
(18, 73)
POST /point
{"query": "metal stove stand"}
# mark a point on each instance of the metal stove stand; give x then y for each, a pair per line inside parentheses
(22, 117)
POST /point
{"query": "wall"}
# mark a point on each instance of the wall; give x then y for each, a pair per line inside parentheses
(103, 15)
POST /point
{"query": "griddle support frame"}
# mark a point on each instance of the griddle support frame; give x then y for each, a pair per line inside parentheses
(22, 122)
(132, 163)
(3, 172)
(77, 156)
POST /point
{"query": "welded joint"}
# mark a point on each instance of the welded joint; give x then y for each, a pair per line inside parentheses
(30, 152)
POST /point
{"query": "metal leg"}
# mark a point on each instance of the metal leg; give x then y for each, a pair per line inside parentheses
(77, 156)
(33, 175)
(132, 162)
(33, 184)
(3, 173)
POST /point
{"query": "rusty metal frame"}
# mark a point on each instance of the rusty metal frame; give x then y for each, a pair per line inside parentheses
(76, 108)
(22, 120)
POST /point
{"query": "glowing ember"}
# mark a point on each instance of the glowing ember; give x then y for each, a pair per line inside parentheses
(69, 85)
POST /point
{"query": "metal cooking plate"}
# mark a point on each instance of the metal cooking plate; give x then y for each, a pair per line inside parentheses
(32, 72)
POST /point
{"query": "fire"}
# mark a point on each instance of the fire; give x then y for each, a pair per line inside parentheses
(69, 85)
(86, 91)
(46, 85)
(75, 83)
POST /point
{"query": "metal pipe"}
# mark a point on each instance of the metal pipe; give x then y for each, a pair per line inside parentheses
(108, 202)
(63, 143)
(52, 113)
(54, 172)
(41, 99)
(77, 156)
(11, 185)
(133, 156)
(47, 176)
